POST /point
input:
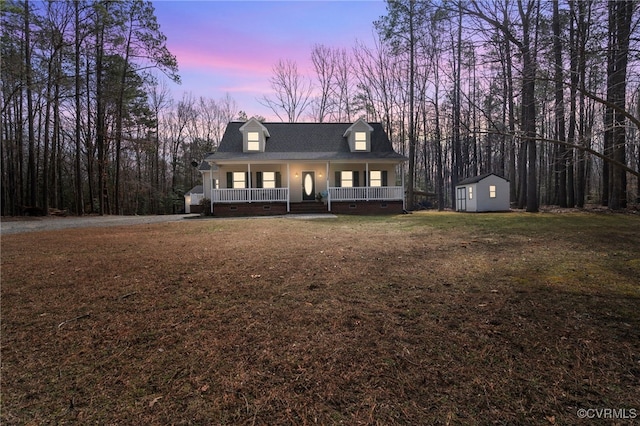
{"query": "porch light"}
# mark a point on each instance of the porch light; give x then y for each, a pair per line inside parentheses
(296, 174)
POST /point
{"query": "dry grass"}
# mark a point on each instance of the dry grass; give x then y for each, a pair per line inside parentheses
(421, 319)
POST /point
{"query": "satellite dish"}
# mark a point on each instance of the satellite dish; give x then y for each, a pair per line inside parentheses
(194, 163)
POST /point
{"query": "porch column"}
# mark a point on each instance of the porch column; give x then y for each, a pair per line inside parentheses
(328, 192)
(288, 189)
(366, 178)
(249, 197)
(211, 188)
(404, 196)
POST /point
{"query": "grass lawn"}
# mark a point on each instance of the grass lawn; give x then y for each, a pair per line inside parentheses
(429, 318)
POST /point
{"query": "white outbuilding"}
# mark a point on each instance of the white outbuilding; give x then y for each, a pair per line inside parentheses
(484, 193)
(192, 199)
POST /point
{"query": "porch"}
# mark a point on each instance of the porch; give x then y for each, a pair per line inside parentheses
(275, 195)
(365, 199)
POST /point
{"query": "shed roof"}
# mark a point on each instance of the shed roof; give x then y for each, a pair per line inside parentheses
(198, 189)
(476, 179)
(304, 141)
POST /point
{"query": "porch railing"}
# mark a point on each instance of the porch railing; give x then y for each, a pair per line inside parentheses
(362, 193)
(248, 195)
(366, 193)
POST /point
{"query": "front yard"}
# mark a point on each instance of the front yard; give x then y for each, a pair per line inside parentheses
(429, 318)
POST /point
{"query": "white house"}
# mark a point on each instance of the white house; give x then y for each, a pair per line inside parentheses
(278, 168)
(484, 193)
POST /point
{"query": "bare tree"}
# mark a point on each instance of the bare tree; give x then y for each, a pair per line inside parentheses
(227, 111)
(620, 14)
(324, 64)
(178, 126)
(402, 28)
(292, 92)
(528, 12)
(343, 88)
(561, 160)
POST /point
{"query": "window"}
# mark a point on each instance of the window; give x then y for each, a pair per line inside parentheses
(361, 141)
(346, 179)
(375, 178)
(239, 180)
(253, 141)
(471, 192)
(492, 191)
(268, 179)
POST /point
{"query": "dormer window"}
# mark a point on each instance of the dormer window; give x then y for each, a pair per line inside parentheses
(253, 141)
(254, 136)
(360, 141)
(359, 136)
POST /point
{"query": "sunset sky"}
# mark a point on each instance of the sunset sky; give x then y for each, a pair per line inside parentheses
(231, 46)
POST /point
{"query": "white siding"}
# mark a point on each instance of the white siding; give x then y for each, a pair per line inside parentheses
(481, 201)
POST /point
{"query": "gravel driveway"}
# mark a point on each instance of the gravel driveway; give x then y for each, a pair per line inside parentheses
(34, 224)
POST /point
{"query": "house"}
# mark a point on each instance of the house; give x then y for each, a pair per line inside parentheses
(279, 168)
(193, 198)
(484, 193)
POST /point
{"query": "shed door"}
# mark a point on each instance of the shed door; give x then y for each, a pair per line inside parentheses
(461, 199)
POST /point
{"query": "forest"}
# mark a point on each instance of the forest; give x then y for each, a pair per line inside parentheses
(544, 93)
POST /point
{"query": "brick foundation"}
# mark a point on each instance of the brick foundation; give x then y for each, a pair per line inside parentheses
(249, 209)
(338, 207)
(366, 207)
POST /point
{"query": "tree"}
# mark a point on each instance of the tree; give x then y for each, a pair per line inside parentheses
(528, 11)
(31, 165)
(324, 64)
(292, 92)
(79, 199)
(402, 28)
(141, 39)
(620, 15)
(159, 98)
(559, 108)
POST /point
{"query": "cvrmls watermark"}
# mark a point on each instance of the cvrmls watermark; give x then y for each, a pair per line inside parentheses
(608, 413)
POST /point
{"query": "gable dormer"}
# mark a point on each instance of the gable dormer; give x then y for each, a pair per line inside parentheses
(359, 136)
(254, 136)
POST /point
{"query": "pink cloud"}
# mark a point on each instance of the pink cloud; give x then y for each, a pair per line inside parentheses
(221, 64)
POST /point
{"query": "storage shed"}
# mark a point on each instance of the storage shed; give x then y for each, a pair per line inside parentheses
(484, 193)
(192, 199)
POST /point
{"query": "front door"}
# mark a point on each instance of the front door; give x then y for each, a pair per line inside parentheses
(308, 186)
(461, 199)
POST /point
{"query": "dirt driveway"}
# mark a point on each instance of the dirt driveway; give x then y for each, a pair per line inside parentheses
(33, 224)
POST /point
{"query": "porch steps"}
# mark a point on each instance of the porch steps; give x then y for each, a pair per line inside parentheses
(307, 208)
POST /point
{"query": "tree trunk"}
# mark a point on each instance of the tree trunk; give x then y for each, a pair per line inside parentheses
(561, 159)
(31, 165)
(100, 122)
(412, 135)
(529, 107)
(620, 14)
(79, 201)
(438, 150)
(457, 148)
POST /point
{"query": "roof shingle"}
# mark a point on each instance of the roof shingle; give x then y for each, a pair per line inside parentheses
(305, 141)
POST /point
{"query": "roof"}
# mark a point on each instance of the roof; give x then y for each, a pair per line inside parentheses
(304, 141)
(476, 179)
(198, 189)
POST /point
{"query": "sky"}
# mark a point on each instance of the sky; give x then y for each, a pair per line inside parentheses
(231, 46)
